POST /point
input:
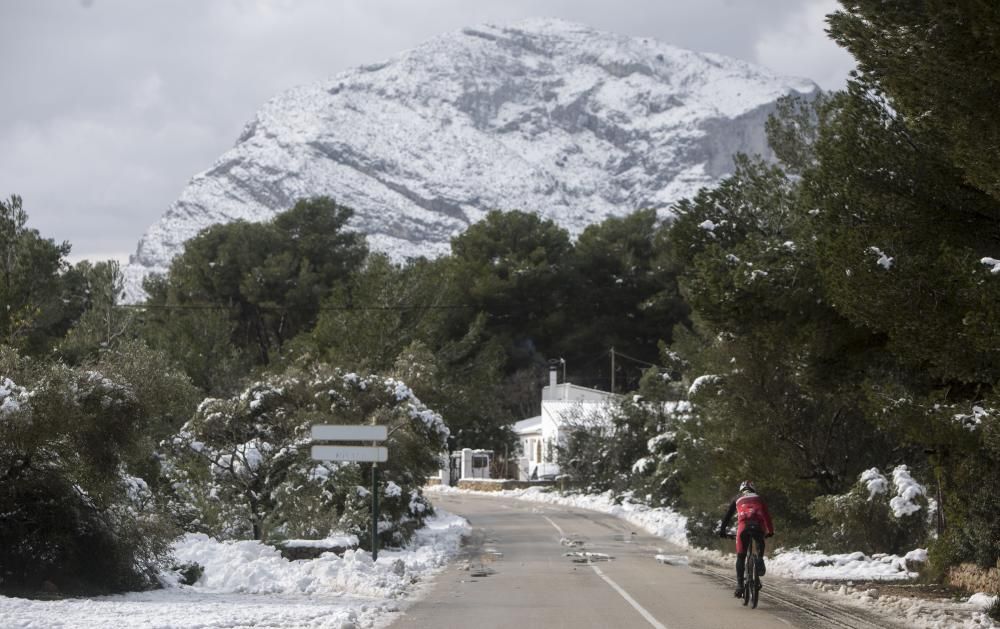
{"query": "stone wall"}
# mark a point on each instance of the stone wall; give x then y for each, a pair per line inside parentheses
(309, 552)
(486, 484)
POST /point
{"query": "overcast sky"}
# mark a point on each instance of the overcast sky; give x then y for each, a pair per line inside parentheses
(109, 107)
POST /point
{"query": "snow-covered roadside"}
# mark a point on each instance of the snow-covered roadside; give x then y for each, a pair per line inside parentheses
(248, 584)
(911, 611)
(832, 575)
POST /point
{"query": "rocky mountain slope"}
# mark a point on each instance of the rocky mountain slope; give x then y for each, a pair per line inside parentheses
(548, 116)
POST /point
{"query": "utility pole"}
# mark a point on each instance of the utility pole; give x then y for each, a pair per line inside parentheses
(612, 369)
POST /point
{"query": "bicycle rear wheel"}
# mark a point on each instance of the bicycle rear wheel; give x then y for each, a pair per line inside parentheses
(754, 584)
(754, 590)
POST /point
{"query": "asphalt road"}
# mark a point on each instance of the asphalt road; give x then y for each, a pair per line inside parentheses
(534, 565)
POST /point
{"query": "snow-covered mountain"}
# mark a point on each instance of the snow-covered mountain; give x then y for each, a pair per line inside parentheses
(545, 115)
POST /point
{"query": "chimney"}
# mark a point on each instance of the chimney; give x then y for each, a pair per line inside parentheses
(553, 375)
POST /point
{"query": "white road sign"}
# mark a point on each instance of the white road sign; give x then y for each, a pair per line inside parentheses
(328, 432)
(376, 454)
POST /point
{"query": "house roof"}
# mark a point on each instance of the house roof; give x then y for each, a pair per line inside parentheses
(568, 392)
(532, 424)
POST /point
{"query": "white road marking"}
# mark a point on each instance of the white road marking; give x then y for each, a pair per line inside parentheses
(617, 588)
(555, 525)
(631, 601)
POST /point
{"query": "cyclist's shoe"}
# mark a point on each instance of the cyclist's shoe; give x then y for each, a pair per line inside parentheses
(761, 568)
(738, 593)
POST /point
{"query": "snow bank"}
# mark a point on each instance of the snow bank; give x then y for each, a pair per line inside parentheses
(812, 565)
(915, 612)
(249, 584)
(982, 600)
(256, 568)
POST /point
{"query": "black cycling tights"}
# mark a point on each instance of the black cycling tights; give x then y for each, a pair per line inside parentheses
(741, 558)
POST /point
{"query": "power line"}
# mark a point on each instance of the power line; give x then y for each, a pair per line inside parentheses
(636, 360)
(276, 308)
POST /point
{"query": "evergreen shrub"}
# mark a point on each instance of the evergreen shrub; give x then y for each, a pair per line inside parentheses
(878, 515)
(74, 518)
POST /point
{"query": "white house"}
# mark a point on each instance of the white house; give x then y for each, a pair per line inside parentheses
(563, 406)
(529, 434)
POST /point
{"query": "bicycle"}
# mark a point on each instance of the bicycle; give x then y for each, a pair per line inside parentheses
(751, 578)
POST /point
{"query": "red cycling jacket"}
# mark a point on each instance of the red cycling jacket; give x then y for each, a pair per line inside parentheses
(748, 508)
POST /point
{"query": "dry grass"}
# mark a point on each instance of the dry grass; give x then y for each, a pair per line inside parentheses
(975, 579)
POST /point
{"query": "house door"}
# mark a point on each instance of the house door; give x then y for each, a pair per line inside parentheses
(455, 469)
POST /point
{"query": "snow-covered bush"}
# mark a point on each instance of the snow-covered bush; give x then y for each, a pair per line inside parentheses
(879, 514)
(242, 468)
(629, 446)
(585, 455)
(72, 513)
(658, 479)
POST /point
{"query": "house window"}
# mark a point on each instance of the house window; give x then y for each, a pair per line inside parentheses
(480, 461)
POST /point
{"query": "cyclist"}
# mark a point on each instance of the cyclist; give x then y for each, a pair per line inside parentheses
(752, 521)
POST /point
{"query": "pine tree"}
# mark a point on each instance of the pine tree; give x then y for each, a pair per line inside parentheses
(264, 282)
(938, 61)
(515, 267)
(773, 366)
(37, 292)
(623, 298)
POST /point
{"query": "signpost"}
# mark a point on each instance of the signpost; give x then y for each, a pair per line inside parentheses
(325, 432)
(374, 454)
(350, 453)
